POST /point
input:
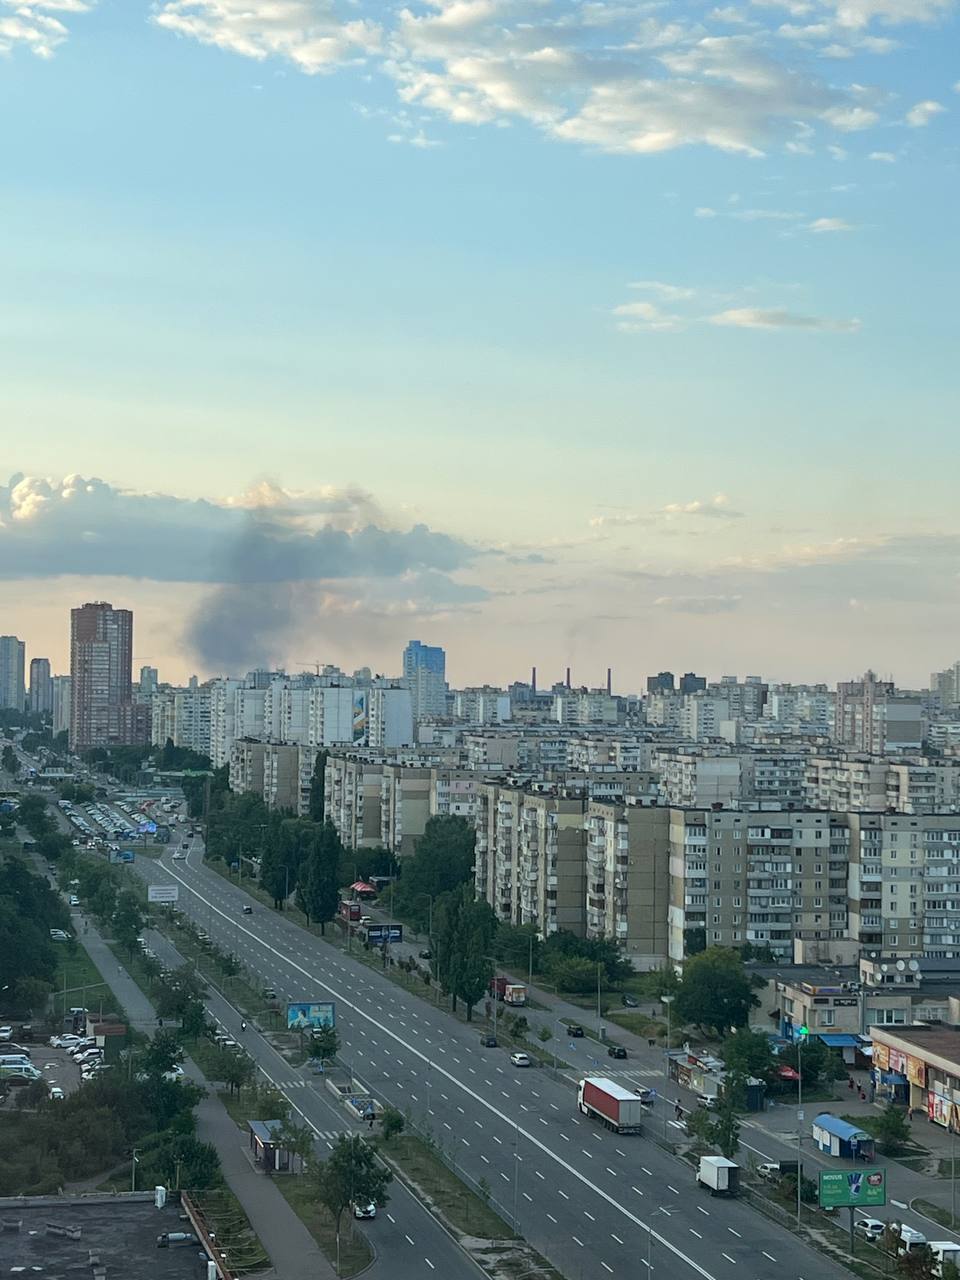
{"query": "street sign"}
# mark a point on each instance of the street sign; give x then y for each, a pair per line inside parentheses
(380, 933)
(846, 1190)
(163, 892)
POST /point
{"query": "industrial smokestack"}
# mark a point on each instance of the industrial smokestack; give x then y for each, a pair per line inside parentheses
(609, 680)
(533, 679)
(568, 677)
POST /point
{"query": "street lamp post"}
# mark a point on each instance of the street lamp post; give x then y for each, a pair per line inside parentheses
(668, 1001)
(666, 1214)
(133, 1169)
(599, 1015)
(516, 1177)
(802, 1033)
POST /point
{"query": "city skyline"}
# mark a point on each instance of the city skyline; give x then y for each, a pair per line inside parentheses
(596, 335)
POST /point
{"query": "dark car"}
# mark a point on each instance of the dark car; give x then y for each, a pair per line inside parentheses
(488, 1042)
(248, 911)
(574, 1029)
(616, 1051)
(629, 1001)
(425, 955)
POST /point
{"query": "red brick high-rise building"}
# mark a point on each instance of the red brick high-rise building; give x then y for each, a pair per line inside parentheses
(101, 663)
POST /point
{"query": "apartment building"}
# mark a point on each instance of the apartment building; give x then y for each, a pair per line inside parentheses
(352, 798)
(497, 822)
(905, 884)
(584, 707)
(12, 678)
(389, 716)
(845, 782)
(404, 806)
(453, 793)
(756, 876)
(703, 716)
(223, 720)
(287, 771)
(246, 766)
(872, 716)
(628, 879)
(41, 687)
(693, 779)
(102, 713)
(183, 717)
(61, 704)
(551, 865)
(484, 705)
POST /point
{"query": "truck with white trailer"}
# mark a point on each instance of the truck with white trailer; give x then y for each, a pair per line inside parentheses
(719, 1175)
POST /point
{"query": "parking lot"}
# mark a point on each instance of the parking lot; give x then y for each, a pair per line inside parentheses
(56, 1066)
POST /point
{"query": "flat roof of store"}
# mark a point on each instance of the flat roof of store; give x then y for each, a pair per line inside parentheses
(121, 1230)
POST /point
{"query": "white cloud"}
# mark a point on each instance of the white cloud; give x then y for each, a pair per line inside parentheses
(32, 24)
(821, 226)
(670, 292)
(717, 508)
(704, 212)
(418, 139)
(307, 33)
(920, 115)
(699, 604)
(779, 318)
(884, 157)
(644, 317)
(850, 119)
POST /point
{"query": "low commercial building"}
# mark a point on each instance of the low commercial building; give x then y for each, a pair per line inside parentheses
(921, 1067)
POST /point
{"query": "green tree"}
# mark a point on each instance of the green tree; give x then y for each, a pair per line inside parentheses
(442, 863)
(351, 1175)
(891, 1129)
(694, 940)
(128, 921)
(324, 1043)
(237, 1071)
(726, 1126)
(575, 974)
(513, 946)
(472, 967)
(700, 1126)
(162, 1054)
(320, 887)
(949, 1270)
(715, 992)
(918, 1264)
(183, 1162)
(317, 784)
(392, 1123)
(814, 1060)
(749, 1053)
(298, 1139)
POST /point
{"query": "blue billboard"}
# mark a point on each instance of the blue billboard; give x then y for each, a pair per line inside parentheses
(378, 934)
(300, 1017)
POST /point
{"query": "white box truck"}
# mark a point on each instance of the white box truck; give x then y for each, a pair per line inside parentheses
(719, 1175)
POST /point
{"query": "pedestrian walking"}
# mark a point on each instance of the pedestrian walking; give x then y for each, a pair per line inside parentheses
(850, 1083)
(863, 1096)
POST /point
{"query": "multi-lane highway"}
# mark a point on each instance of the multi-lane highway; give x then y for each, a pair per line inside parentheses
(594, 1203)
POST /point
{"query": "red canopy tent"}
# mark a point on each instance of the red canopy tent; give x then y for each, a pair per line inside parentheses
(360, 887)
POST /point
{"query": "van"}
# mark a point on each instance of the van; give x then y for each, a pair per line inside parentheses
(7, 1058)
(18, 1071)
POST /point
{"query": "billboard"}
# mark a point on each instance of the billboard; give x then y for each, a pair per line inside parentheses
(848, 1190)
(378, 934)
(302, 1016)
(124, 855)
(147, 828)
(163, 892)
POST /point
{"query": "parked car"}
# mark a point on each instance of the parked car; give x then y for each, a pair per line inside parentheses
(73, 900)
(59, 935)
(488, 1042)
(521, 1060)
(616, 1051)
(425, 955)
(6, 1033)
(66, 1041)
(574, 1029)
(629, 1001)
(365, 1210)
(56, 1094)
(869, 1228)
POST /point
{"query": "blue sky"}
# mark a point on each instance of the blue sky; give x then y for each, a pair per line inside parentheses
(648, 307)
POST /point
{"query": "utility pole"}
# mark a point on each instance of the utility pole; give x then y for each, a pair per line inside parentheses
(668, 1001)
(802, 1034)
(133, 1169)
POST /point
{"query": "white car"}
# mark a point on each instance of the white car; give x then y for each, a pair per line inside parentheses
(870, 1228)
(365, 1210)
(6, 1033)
(179, 856)
(67, 1041)
(59, 935)
(56, 1094)
(521, 1060)
(73, 900)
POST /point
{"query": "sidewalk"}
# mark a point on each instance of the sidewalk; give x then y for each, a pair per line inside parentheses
(289, 1244)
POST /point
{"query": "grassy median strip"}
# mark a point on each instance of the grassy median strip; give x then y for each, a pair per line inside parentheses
(465, 1210)
(356, 1253)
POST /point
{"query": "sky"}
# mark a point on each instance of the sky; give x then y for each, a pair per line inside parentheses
(591, 333)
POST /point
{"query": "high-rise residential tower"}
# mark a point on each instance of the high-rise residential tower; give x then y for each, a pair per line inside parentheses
(101, 655)
(429, 657)
(12, 658)
(41, 687)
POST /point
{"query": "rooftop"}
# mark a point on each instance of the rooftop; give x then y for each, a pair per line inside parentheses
(120, 1230)
(943, 1041)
